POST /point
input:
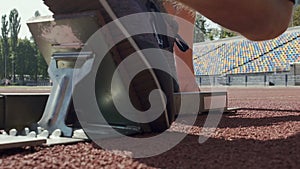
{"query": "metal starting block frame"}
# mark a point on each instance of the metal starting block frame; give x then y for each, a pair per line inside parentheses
(57, 108)
(61, 53)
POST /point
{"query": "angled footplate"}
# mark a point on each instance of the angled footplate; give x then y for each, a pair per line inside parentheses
(60, 39)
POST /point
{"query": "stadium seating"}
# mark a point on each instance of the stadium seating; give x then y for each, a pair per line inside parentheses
(244, 56)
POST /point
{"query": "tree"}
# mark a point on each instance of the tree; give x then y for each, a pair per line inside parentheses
(25, 62)
(296, 17)
(20, 60)
(213, 34)
(200, 30)
(14, 27)
(5, 44)
(203, 32)
(225, 33)
(42, 67)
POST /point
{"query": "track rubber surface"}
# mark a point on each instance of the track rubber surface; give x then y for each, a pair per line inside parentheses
(267, 135)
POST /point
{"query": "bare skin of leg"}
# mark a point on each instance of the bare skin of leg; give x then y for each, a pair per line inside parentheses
(255, 19)
(187, 83)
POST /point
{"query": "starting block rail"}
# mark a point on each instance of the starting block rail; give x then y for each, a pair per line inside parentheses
(8, 141)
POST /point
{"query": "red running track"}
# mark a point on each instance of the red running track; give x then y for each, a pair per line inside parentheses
(266, 136)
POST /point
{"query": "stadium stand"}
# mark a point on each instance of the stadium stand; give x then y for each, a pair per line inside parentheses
(238, 55)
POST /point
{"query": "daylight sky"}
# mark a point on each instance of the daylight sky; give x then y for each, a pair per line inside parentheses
(26, 9)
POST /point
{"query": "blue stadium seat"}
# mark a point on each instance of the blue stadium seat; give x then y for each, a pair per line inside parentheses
(244, 56)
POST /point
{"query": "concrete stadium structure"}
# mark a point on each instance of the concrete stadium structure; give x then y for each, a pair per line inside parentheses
(238, 61)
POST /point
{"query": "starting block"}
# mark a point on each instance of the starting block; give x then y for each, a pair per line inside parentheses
(7, 142)
(20, 110)
(209, 101)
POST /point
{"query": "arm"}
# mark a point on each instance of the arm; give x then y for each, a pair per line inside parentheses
(254, 19)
